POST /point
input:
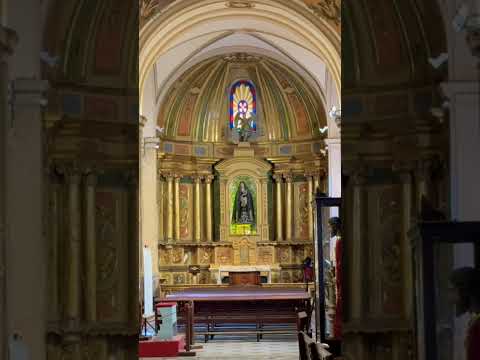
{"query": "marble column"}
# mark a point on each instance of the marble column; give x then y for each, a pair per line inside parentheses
(169, 178)
(91, 243)
(208, 208)
(334, 167)
(279, 225)
(310, 207)
(197, 209)
(74, 253)
(289, 207)
(177, 207)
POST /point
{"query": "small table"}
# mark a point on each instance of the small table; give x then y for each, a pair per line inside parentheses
(230, 269)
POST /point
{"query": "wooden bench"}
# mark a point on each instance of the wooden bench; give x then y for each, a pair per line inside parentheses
(311, 350)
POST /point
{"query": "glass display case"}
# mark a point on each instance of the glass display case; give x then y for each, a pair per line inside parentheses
(439, 249)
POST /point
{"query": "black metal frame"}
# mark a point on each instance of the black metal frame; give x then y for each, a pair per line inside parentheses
(432, 233)
(321, 202)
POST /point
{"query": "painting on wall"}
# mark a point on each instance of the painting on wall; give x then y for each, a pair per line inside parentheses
(243, 200)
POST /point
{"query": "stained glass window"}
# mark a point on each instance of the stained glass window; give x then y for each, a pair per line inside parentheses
(243, 105)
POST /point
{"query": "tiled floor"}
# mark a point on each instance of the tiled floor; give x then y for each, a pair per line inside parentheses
(245, 350)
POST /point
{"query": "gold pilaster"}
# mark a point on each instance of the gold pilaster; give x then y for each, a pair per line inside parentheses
(208, 203)
(289, 207)
(278, 181)
(161, 208)
(421, 175)
(406, 247)
(198, 224)
(74, 246)
(177, 207)
(170, 207)
(357, 247)
(316, 182)
(310, 207)
(54, 269)
(91, 243)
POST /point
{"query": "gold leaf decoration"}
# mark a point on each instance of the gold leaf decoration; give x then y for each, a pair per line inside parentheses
(327, 9)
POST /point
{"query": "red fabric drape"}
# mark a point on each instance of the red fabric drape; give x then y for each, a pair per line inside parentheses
(337, 324)
(472, 342)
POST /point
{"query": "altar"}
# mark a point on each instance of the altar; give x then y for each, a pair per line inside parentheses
(221, 271)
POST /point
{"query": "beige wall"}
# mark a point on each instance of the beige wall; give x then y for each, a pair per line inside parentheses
(25, 240)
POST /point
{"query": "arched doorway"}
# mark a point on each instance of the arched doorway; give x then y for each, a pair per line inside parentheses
(192, 55)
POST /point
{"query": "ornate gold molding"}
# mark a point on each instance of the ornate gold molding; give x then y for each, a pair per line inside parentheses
(330, 10)
(240, 4)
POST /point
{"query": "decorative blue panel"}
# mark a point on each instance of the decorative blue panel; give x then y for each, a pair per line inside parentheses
(200, 151)
(168, 147)
(285, 149)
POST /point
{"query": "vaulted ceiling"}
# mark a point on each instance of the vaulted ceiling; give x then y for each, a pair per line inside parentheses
(196, 106)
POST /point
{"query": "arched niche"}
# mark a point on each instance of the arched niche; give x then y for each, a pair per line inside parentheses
(231, 172)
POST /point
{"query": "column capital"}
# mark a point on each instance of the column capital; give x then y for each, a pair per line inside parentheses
(197, 179)
(278, 178)
(288, 177)
(177, 178)
(169, 176)
(91, 179)
(209, 179)
(423, 169)
(359, 178)
(405, 177)
(142, 120)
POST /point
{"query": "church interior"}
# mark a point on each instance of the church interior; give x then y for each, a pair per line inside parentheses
(239, 179)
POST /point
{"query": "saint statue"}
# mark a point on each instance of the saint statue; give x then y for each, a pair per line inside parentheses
(243, 208)
(244, 121)
(243, 111)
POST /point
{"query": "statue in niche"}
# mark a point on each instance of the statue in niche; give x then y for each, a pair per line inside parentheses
(243, 125)
(243, 208)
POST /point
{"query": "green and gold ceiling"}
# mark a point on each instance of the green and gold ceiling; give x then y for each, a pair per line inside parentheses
(196, 107)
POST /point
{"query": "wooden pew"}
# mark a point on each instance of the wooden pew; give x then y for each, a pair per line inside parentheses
(311, 350)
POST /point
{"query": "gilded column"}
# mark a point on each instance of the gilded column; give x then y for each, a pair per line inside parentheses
(169, 178)
(134, 251)
(160, 207)
(74, 247)
(310, 207)
(406, 247)
(358, 271)
(289, 207)
(177, 207)
(198, 224)
(91, 242)
(209, 209)
(53, 231)
(421, 175)
(316, 182)
(278, 181)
